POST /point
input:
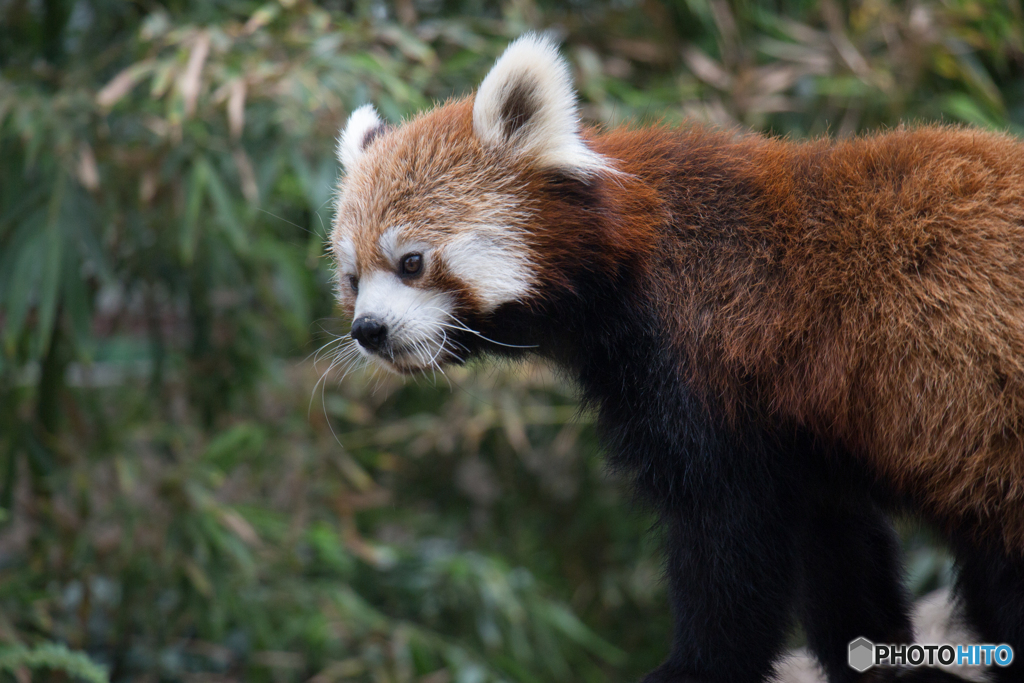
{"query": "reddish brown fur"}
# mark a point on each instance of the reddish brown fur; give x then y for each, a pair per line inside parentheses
(871, 290)
(433, 176)
(760, 325)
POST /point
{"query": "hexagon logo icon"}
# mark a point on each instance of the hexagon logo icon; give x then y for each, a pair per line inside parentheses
(861, 657)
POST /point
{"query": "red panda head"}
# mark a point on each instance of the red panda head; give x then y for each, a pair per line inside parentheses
(437, 219)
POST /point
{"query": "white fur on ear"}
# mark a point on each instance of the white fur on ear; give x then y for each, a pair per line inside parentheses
(527, 103)
(356, 135)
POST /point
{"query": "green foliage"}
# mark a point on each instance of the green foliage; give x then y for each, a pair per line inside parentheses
(181, 497)
(54, 657)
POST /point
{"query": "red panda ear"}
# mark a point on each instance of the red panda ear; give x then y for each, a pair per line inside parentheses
(527, 105)
(362, 127)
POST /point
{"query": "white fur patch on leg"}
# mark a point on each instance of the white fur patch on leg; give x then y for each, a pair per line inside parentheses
(936, 621)
(353, 139)
(527, 103)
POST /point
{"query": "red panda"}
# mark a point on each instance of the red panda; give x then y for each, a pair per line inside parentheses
(782, 341)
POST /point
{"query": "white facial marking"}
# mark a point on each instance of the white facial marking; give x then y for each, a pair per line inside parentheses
(417, 319)
(492, 262)
(533, 74)
(350, 142)
(394, 246)
(345, 252)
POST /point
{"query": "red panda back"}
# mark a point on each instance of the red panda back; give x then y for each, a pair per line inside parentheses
(870, 289)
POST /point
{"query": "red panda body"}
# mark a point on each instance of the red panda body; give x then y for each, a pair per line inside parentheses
(871, 291)
(780, 339)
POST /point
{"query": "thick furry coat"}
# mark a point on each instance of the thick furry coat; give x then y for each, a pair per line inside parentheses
(780, 338)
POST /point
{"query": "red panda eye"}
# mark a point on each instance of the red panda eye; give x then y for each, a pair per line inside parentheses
(353, 282)
(412, 264)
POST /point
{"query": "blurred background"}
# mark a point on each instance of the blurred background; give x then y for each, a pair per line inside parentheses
(189, 491)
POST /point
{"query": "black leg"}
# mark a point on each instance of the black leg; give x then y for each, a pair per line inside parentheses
(991, 588)
(731, 568)
(850, 582)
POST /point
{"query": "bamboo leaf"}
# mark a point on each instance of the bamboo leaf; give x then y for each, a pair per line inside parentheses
(52, 656)
(964, 108)
(191, 81)
(53, 253)
(198, 182)
(79, 312)
(122, 83)
(23, 281)
(227, 218)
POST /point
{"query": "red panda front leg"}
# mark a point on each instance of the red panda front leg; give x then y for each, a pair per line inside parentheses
(851, 583)
(730, 595)
(730, 500)
(731, 518)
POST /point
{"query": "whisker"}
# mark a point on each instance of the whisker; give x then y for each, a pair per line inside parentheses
(322, 383)
(433, 360)
(326, 348)
(462, 326)
(287, 221)
(323, 402)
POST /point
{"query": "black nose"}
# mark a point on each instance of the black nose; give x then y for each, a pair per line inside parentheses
(369, 332)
